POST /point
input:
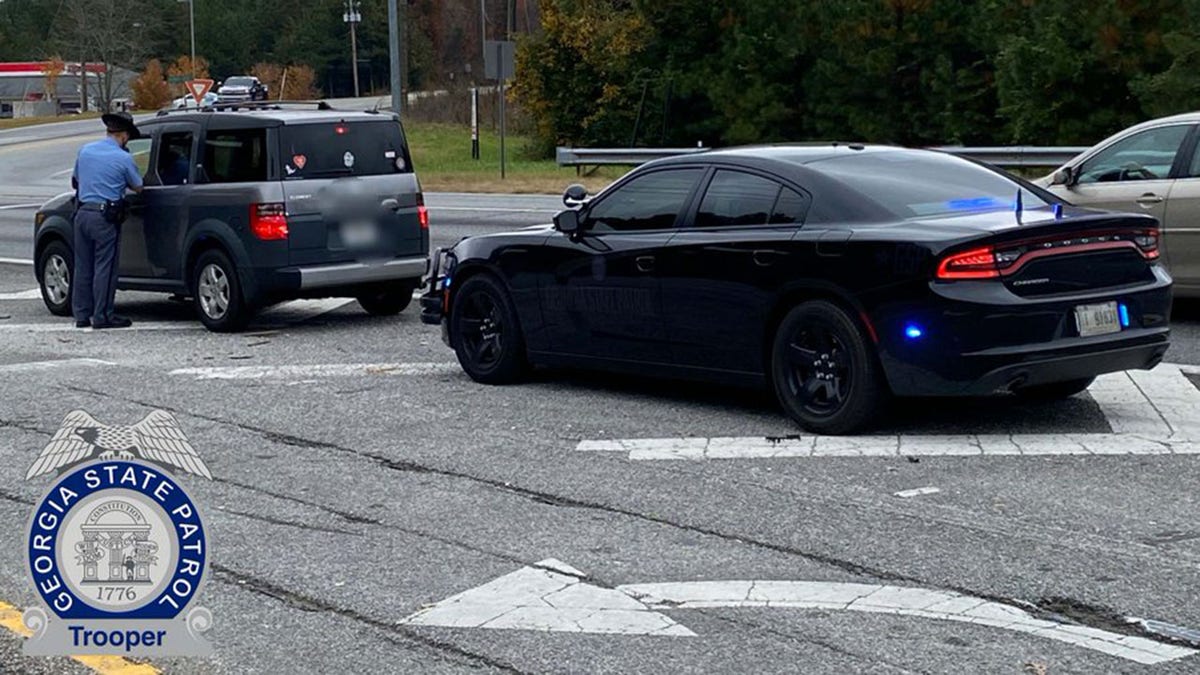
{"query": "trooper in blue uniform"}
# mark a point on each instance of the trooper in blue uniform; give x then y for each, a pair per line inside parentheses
(103, 170)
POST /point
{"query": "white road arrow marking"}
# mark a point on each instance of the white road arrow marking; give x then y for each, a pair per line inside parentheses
(552, 596)
(545, 598)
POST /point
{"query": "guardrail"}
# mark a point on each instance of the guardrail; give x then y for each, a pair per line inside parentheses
(1015, 157)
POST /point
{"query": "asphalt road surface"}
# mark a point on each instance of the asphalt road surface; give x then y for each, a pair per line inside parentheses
(373, 510)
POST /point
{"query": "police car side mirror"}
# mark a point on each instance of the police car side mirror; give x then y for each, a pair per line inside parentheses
(567, 222)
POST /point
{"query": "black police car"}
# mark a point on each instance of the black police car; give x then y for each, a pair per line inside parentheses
(838, 275)
(251, 206)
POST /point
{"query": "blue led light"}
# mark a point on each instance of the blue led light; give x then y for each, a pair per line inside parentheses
(912, 331)
(1123, 310)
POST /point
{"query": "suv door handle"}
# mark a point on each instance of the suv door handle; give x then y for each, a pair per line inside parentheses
(645, 263)
(391, 204)
(1149, 199)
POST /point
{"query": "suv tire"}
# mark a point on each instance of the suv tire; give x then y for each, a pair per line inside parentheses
(217, 293)
(56, 268)
(387, 300)
(486, 334)
(824, 371)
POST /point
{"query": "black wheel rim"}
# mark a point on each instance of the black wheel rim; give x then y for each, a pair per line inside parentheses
(481, 326)
(817, 370)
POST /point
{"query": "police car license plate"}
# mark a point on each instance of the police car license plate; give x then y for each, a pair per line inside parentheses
(1100, 319)
(359, 235)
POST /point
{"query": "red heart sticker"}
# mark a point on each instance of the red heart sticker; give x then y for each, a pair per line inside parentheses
(299, 161)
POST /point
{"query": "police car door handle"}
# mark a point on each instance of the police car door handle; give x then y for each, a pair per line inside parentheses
(390, 204)
(766, 257)
(645, 263)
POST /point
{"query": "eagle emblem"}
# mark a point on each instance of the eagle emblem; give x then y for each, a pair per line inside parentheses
(158, 438)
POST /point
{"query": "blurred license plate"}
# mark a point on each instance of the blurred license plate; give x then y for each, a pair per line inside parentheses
(360, 235)
(1097, 319)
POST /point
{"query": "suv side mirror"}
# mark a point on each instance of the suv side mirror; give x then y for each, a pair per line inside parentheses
(1064, 176)
(575, 195)
(567, 222)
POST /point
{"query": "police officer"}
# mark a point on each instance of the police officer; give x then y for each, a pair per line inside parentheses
(103, 170)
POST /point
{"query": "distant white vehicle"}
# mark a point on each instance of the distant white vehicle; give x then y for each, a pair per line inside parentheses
(185, 102)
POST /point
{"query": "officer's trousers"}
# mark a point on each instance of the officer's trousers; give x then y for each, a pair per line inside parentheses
(97, 252)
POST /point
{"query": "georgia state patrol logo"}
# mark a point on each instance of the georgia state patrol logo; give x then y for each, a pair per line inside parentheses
(117, 549)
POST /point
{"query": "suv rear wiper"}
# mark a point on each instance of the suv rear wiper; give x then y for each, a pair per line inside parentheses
(327, 172)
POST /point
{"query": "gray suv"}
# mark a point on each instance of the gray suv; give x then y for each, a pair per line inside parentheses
(248, 207)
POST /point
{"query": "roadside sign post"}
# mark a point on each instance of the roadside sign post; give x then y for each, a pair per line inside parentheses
(499, 64)
(394, 60)
(475, 123)
(198, 88)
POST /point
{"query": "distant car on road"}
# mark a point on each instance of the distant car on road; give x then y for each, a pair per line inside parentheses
(242, 88)
(243, 209)
(839, 275)
(1152, 168)
(185, 102)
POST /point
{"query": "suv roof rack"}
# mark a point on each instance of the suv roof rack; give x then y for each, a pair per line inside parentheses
(234, 106)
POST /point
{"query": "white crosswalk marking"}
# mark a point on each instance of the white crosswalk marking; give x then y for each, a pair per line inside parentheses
(307, 371)
(1150, 412)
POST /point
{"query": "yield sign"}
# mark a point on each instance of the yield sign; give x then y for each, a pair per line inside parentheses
(198, 88)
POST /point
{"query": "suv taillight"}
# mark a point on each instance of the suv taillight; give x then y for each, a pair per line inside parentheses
(423, 216)
(268, 221)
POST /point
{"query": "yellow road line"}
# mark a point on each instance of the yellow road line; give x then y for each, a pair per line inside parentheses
(10, 618)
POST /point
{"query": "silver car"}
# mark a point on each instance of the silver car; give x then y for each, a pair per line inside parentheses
(1150, 168)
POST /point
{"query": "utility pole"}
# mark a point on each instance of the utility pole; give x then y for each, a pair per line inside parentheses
(353, 16)
(192, 24)
(394, 58)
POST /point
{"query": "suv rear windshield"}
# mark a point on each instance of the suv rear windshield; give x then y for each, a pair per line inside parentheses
(915, 184)
(333, 149)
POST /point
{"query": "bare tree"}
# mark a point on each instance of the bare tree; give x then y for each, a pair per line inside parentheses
(111, 32)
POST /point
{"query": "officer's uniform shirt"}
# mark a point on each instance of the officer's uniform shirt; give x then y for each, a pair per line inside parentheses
(103, 169)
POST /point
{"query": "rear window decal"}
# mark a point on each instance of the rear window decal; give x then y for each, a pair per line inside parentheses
(299, 161)
(348, 159)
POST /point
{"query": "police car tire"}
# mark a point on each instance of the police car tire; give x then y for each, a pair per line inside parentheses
(512, 365)
(388, 300)
(849, 362)
(237, 314)
(60, 249)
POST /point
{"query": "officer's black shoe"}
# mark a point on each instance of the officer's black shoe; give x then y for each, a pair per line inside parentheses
(115, 322)
(83, 324)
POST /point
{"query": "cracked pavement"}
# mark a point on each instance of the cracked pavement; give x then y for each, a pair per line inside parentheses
(382, 481)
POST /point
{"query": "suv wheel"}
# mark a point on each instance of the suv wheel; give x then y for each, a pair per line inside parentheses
(823, 370)
(57, 265)
(217, 293)
(387, 300)
(485, 333)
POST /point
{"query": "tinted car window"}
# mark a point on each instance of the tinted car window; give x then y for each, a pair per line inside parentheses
(236, 156)
(1144, 156)
(175, 158)
(791, 208)
(332, 149)
(913, 184)
(736, 198)
(651, 201)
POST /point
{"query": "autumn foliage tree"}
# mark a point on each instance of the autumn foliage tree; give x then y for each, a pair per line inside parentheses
(150, 89)
(51, 71)
(298, 85)
(182, 67)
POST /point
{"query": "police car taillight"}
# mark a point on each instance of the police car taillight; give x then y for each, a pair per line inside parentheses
(269, 221)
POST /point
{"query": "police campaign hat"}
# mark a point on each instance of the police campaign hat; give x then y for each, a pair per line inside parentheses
(121, 121)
